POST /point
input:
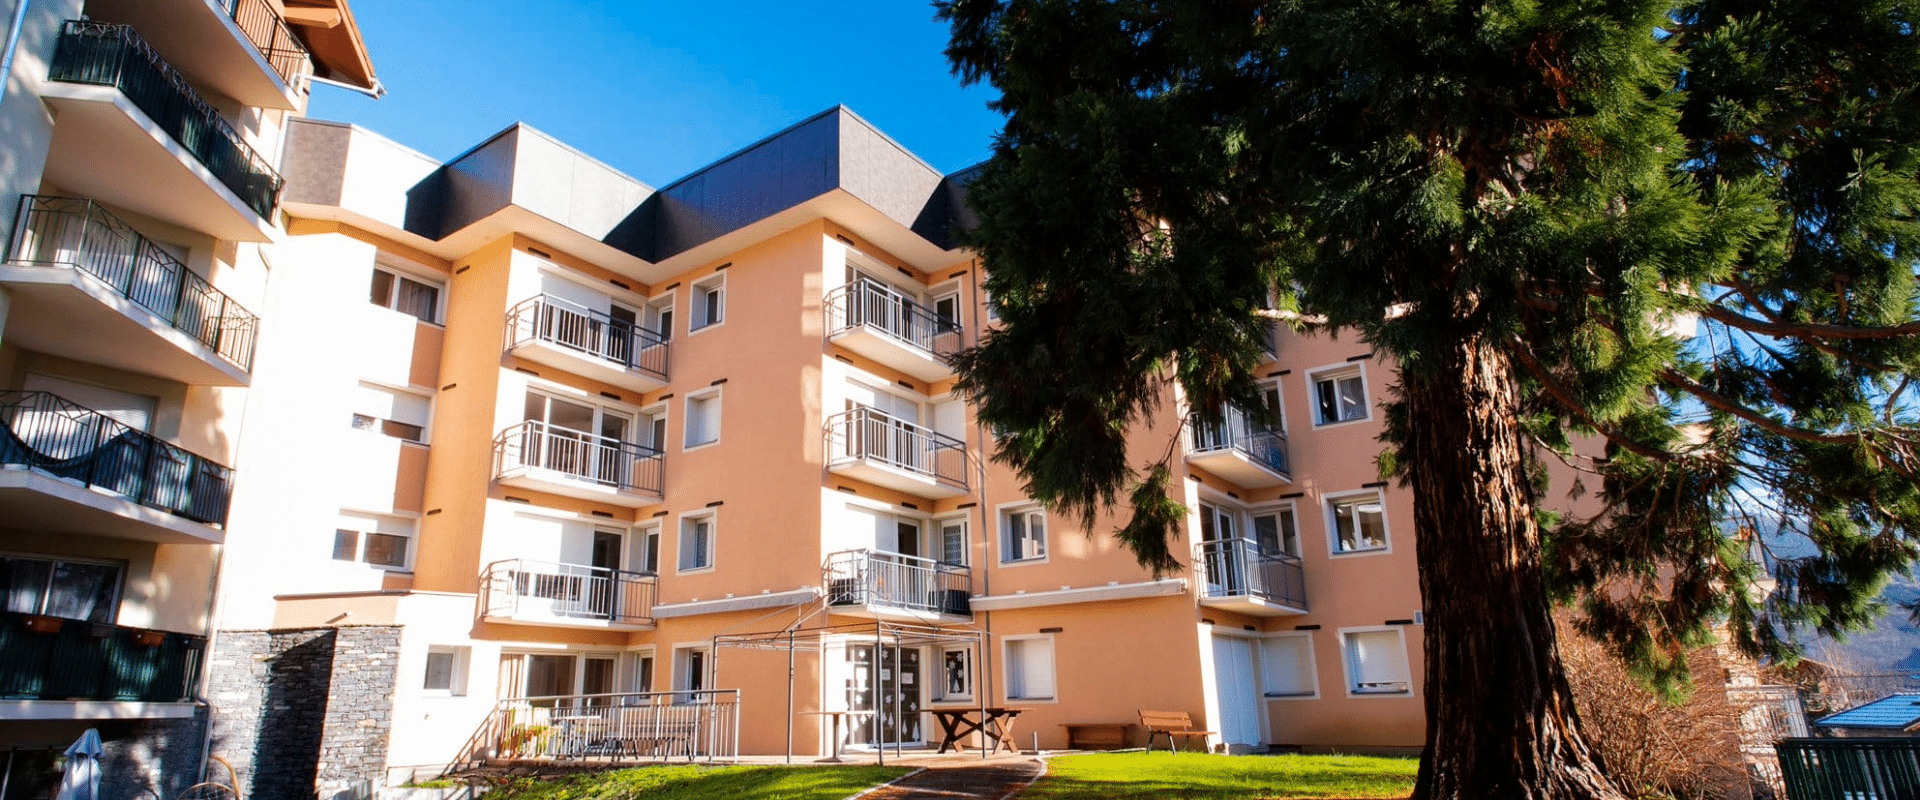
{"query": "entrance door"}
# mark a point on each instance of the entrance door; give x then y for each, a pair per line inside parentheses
(1233, 681)
(898, 698)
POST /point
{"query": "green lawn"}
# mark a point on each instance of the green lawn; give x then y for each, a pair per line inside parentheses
(702, 783)
(1192, 775)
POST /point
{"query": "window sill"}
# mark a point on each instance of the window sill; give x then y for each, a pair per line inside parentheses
(1024, 562)
(1321, 426)
(1385, 549)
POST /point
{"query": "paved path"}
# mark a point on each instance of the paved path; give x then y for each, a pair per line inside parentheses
(991, 780)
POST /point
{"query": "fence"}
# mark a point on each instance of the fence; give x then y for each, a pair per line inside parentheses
(1850, 769)
(48, 658)
(639, 725)
(867, 577)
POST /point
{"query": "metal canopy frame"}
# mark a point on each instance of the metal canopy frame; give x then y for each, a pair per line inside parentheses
(899, 635)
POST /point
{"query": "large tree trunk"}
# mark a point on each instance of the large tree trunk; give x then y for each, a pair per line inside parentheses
(1500, 719)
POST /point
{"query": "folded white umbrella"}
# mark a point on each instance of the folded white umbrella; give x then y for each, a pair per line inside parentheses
(81, 780)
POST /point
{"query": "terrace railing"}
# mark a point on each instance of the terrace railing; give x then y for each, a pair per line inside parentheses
(882, 308)
(1242, 432)
(270, 35)
(528, 589)
(550, 319)
(48, 658)
(894, 580)
(870, 434)
(579, 455)
(638, 725)
(50, 434)
(1247, 568)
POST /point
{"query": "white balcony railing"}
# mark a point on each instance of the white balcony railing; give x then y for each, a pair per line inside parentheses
(544, 591)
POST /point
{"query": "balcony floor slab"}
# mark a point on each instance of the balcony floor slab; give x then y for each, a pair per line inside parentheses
(65, 311)
(1253, 606)
(872, 343)
(559, 621)
(1232, 465)
(32, 501)
(567, 485)
(587, 365)
(895, 478)
(92, 709)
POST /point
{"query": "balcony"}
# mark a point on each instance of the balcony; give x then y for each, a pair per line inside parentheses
(872, 446)
(131, 131)
(546, 458)
(1251, 578)
(567, 336)
(74, 661)
(1239, 448)
(542, 593)
(881, 585)
(75, 267)
(874, 320)
(67, 469)
(697, 723)
(239, 48)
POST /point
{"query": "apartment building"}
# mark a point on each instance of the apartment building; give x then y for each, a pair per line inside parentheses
(141, 195)
(544, 461)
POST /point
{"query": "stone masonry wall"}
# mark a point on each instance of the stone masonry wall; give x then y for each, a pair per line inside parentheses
(360, 705)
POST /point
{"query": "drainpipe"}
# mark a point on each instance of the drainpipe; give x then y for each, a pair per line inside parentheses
(13, 43)
(206, 663)
(987, 532)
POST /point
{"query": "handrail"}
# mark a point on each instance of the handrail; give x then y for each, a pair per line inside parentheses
(269, 34)
(558, 321)
(579, 455)
(45, 432)
(1248, 568)
(78, 233)
(659, 725)
(870, 434)
(48, 658)
(114, 55)
(896, 580)
(1236, 429)
(525, 588)
(870, 303)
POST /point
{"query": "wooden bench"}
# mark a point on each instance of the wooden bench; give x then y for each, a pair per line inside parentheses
(1098, 735)
(1170, 723)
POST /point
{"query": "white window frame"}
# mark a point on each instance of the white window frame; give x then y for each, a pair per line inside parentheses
(680, 665)
(1347, 661)
(460, 659)
(697, 294)
(712, 519)
(1004, 515)
(437, 283)
(1006, 659)
(371, 424)
(645, 418)
(629, 676)
(1329, 517)
(355, 522)
(1313, 667)
(1276, 509)
(643, 535)
(966, 538)
(1279, 400)
(655, 305)
(713, 394)
(1338, 372)
(119, 579)
(941, 693)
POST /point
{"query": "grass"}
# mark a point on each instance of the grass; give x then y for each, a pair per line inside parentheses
(1196, 776)
(702, 783)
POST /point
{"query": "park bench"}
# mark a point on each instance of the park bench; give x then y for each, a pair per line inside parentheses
(1170, 723)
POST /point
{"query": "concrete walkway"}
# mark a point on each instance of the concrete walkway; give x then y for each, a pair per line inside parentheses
(963, 780)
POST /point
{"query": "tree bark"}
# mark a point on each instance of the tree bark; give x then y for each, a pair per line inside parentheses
(1500, 719)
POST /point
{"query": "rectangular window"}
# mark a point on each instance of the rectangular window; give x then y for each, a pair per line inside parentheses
(703, 418)
(401, 415)
(953, 541)
(385, 542)
(956, 675)
(650, 550)
(1030, 668)
(1376, 661)
(83, 590)
(640, 672)
(696, 542)
(709, 302)
(690, 666)
(446, 671)
(1339, 396)
(1023, 534)
(658, 316)
(1286, 666)
(1359, 523)
(404, 294)
(1276, 530)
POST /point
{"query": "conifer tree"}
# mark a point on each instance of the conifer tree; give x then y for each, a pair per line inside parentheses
(1524, 205)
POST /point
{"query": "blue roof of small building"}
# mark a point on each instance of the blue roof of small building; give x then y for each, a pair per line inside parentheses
(1899, 712)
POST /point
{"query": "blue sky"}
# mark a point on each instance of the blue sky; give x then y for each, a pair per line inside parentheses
(658, 89)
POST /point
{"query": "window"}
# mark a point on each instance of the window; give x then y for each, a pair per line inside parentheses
(703, 418)
(1286, 666)
(640, 672)
(649, 556)
(709, 302)
(405, 294)
(1359, 523)
(1030, 668)
(401, 415)
(85, 590)
(1275, 530)
(1376, 661)
(1023, 534)
(385, 542)
(953, 541)
(696, 542)
(1339, 396)
(446, 671)
(1273, 416)
(658, 316)
(956, 675)
(653, 428)
(690, 665)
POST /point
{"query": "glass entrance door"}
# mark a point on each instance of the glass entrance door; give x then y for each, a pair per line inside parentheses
(898, 696)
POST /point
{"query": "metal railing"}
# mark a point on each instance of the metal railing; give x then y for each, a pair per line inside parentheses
(1247, 568)
(1242, 432)
(1850, 769)
(894, 580)
(270, 35)
(114, 55)
(50, 434)
(71, 232)
(872, 435)
(638, 725)
(47, 658)
(882, 308)
(550, 319)
(578, 455)
(544, 590)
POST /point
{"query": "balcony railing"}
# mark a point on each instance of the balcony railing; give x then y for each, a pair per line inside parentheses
(113, 55)
(893, 580)
(1239, 431)
(880, 307)
(550, 319)
(270, 35)
(542, 590)
(1247, 568)
(869, 434)
(638, 725)
(70, 232)
(47, 658)
(49, 434)
(580, 456)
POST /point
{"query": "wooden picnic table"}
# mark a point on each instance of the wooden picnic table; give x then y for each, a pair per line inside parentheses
(996, 726)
